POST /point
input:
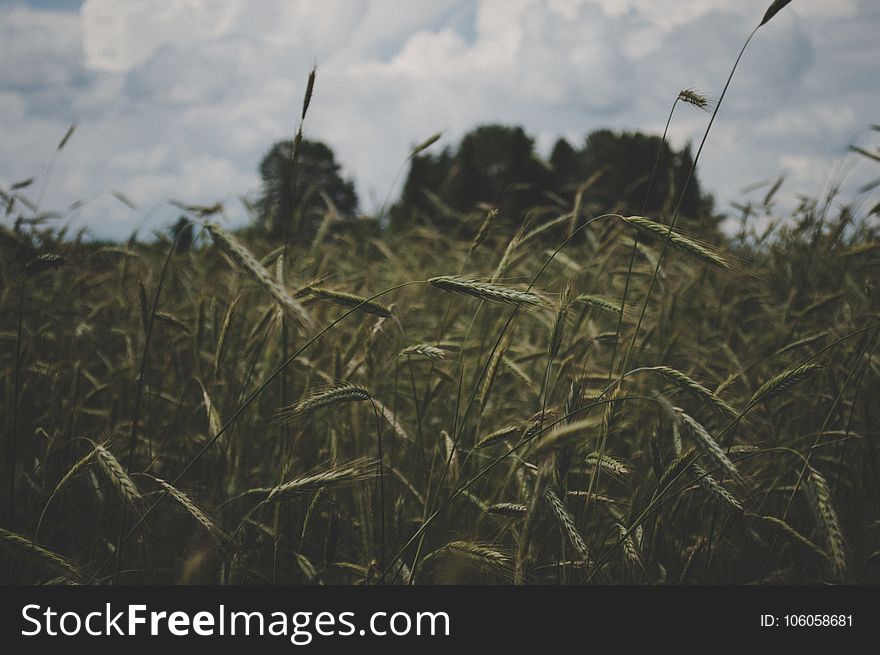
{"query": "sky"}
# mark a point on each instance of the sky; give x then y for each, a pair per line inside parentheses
(180, 99)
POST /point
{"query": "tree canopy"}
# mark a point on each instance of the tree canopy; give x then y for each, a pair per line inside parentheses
(296, 194)
(626, 161)
(498, 165)
(493, 165)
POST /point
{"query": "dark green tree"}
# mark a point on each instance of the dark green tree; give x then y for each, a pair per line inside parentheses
(626, 161)
(182, 232)
(429, 177)
(568, 166)
(295, 194)
(497, 164)
(494, 164)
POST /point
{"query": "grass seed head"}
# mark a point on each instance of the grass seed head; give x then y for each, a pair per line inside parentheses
(486, 291)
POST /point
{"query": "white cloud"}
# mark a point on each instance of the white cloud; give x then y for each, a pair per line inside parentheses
(121, 36)
(825, 9)
(38, 49)
(180, 99)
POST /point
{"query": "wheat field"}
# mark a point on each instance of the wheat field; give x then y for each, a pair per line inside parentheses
(564, 397)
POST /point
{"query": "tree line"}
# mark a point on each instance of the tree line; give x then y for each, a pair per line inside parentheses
(493, 166)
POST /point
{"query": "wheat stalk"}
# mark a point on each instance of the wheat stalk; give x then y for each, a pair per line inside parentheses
(424, 145)
(356, 471)
(566, 522)
(486, 291)
(324, 397)
(504, 433)
(630, 551)
(709, 445)
(773, 9)
(214, 422)
(43, 263)
(426, 350)
(820, 495)
(608, 464)
(508, 253)
(123, 484)
(789, 531)
(483, 232)
(512, 510)
(486, 556)
(677, 444)
(678, 241)
(599, 303)
(45, 554)
(702, 393)
(564, 434)
(694, 97)
(557, 331)
(391, 419)
(613, 503)
(785, 380)
(246, 259)
(72, 471)
(449, 455)
(193, 510)
(573, 400)
(608, 338)
(347, 300)
(805, 341)
(492, 368)
(310, 88)
(714, 488)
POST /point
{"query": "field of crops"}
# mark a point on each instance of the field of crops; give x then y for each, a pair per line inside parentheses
(562, 397)
(420, 409)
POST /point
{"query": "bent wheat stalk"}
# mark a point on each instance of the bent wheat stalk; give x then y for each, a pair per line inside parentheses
(486, 290)
(323, 398)
(774, 8)
(258, 272)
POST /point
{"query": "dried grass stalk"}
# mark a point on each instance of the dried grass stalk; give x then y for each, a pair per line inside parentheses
(598, 302)
(324, 397)
(193, 510)
(486, 556)
(426, 350)
(347, 300)
(505, 433)
(780, 383)
(43, 263)
(487, 291)
(609, 464)
(714, 488)
(356, 471)
(773, 9)
(687, 383)
(710, 446)
(630, 551)
(258, 272)
(118, 476)
(483, 232)
(680, 242)
(46, 555)
(511, 510)
(694, 97)
(566, 522)
(820, 497)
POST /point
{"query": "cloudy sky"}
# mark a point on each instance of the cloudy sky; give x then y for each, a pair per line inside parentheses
(179, 99)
